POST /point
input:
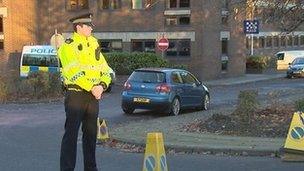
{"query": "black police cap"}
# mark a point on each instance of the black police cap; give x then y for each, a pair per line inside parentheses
(83, 19)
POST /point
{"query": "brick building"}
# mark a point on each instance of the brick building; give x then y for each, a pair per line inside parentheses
(202, 33)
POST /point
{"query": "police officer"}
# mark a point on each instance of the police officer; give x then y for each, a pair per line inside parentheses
(84, 73)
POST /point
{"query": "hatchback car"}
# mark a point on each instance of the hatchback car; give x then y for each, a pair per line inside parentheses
(164, 89)
(296, 68)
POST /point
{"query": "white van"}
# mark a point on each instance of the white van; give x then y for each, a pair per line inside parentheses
(286, 57)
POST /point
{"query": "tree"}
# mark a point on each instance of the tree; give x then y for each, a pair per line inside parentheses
(287, 15)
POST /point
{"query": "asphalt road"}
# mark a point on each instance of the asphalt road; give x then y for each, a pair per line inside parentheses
(30, 136)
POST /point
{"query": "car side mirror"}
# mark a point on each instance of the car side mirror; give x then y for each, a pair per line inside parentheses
(289, 63)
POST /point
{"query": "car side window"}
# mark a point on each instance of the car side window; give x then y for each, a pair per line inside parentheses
(188, 78)
(175, 77)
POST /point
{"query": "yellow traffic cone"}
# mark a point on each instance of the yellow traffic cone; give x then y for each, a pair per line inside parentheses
(294, 146)
(155, 157)
(102, 130)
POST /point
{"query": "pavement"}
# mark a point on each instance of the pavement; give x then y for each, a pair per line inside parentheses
(180, 141)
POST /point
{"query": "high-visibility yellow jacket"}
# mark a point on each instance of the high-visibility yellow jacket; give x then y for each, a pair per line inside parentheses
(82, 62)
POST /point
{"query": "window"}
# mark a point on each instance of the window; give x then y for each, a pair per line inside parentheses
(268, 41)
(141, 4)
(110, 4)
(248, 42)
(1, 24)
(176, 78)
(289, 40)
(179, 48)
(39, 60)
(143, 46)
(283, 41)
(188, 78)
(184, 20)
(224, 46)
(178, 20)
(302, 40)
(296, 41)
(178, 3)
(261, 42)
(1, 44)
(110, 45)
(276, 41)
(225, 20)
(255, 42)
(77, 4)
(171, 21)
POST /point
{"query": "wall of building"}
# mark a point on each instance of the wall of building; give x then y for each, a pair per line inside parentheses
(20, 28)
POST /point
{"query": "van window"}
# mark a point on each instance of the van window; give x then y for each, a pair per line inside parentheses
(280, 56)
(39, 60)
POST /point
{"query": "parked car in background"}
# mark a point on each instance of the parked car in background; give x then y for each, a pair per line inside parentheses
(164, 89)
(296, 68)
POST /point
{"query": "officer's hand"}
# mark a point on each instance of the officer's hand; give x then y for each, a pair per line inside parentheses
(97, 91)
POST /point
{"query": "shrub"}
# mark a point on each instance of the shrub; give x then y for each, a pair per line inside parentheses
(124, 63)
(258, 62)
(247, 105)
(55, 88)
(39, 83)
(300, 105)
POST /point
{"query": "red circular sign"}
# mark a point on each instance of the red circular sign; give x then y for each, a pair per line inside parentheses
(163, 44)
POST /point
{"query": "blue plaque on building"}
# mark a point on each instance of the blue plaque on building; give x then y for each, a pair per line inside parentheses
(251, 26)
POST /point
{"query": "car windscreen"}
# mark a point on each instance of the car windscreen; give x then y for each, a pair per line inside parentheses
(298, 61)
(147, 77)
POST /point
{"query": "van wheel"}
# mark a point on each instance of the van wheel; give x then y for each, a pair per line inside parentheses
(175, 107)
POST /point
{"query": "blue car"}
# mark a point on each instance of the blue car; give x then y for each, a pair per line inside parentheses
(164, 89)
(296, 68)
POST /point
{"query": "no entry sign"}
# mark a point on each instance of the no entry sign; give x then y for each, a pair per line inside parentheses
(163, 44)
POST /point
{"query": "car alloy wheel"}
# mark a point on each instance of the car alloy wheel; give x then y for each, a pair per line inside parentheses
(175, 107)
(206, 102)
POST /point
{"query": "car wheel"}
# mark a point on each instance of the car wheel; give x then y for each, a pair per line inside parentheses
(289, 76)
(175, 107)
(128, 110)
(206, 102)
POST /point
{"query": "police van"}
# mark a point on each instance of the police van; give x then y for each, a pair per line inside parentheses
(44, 58)
(38, 58)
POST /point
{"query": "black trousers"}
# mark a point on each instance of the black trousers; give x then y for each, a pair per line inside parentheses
(81, 108)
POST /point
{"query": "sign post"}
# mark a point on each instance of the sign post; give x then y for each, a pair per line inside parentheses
(251, 27)
(163, 44)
